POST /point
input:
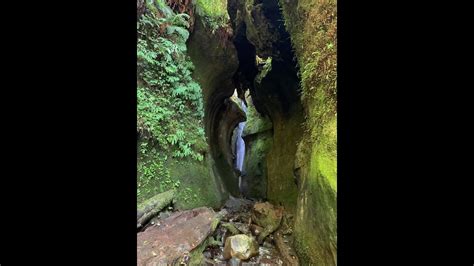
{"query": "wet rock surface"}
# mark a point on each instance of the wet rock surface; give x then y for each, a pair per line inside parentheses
(240, 216)
(174, 237)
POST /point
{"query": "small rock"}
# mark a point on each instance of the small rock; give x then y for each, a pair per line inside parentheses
(267, 244)
(240, 246)
(244, 228)
(232, 228)
(220, 257)
(267, 216)
(255, 229)
(234, 262)
(164, 215)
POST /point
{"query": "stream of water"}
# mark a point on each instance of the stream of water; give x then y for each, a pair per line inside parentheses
(240, 146)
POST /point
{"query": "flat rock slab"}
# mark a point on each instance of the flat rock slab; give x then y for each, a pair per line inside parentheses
(174, 237)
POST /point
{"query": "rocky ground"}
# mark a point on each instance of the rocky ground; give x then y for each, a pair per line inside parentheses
(243, 232)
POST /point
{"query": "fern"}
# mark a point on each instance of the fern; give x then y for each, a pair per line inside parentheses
(180, 20)
(182, 32)
(167, 93)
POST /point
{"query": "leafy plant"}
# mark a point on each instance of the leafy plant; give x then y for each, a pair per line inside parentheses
(169, 102)
(166, 91)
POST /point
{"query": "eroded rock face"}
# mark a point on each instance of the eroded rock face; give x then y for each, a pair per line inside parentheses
(267, 216)
(313, 24)
(258, 26)
(258, 140)
(174, 237)
(241, 246)
(215, 59)
(260, 35)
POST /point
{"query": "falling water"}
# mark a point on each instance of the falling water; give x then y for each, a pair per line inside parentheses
(240, 146)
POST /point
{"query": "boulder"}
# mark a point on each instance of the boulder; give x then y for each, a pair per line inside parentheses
(267, 216)
(175, 237)
(242, 247)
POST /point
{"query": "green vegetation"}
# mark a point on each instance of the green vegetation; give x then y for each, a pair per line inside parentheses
(288, 166)
(213, 8)
(256, 122)
(166, 91)
(191, 179)
(214, 12)
(153, 175)
(267, 67)
(313, 27)
(169, 109)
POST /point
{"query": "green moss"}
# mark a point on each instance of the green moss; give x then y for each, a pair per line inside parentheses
(313, 26)
(198, 186)
(323, 157)
(327, 165)
(267, 67)
(172, 144)
(197, 258)
(255, 164)
(213, 8)
(214, 12)
(316, 209)
(316, 214)
(195, 184)
(259, 29)
(282, 188)
(255, 122)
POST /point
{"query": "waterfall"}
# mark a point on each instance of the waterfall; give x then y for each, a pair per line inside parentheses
(240, 146)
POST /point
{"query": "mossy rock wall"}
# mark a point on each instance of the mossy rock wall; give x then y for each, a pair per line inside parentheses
(255, 123)
(215, 59)
(274, 89)
(278, 91)
(195, 181)
(258, 137)
(312, 26)
(255, 165)
(282, 188)
(205, 189)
